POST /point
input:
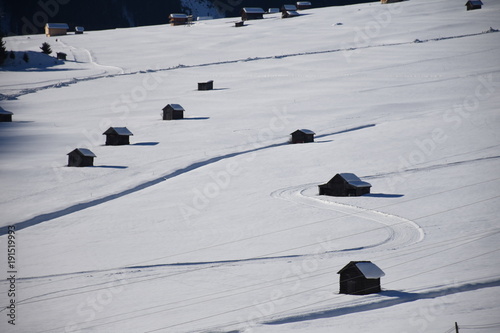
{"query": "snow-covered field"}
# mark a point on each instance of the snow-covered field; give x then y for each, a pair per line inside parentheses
(214, 223)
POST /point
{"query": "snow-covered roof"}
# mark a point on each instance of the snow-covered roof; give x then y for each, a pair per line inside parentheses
(305, 131)
(176, 107)
(273, 10)
(354, 180)
(303, 3)
(253, 10)
(289, 7)
(57, 26)
(2, 111)
(79, 29)
(370, 270)
(475, 2)
(179, 16)
(118, 130)
(84, 151)
(292, 13)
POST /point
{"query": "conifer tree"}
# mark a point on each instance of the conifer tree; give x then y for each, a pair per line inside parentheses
(26, 58)
(46, 48)
(3, 50)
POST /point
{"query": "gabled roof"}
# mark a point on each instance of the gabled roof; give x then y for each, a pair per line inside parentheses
(118, 131)
(352, 179)
(303, 3)
(79, 29)
(253, 10)
(368, 269)
(2, 111)
(292, 13)
(289, 7)
(84, 152)
(305, 131)
(474, 2)
(180, 16)
(273, 10)
(57, 26)
(176, 107)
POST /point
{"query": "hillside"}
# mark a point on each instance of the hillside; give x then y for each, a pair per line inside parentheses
(213, 223)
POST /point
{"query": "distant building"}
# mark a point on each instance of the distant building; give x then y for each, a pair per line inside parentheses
(345, 185)
(5, 116)
(289, 11)
(61, 55)
(173, 111)
(56, 29)
(239, 24)
(473, 4)
(273, 10)
(204, 18)
(209, 85)
(81, 157)
(178, 19)
(360, 278)
(252, 13)
(303, 5)
(117, 136)
(79, 30)
(389, 1)
(302, 136)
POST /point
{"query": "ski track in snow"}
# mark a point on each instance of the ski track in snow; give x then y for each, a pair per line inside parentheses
(121, 72)
(402, 232)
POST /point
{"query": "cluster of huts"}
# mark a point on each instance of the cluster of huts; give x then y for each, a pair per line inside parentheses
(60, 29)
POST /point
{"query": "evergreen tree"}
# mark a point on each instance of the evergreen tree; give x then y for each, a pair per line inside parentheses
(3, 50)
(12, 55)
(26, 58)
(46, 48)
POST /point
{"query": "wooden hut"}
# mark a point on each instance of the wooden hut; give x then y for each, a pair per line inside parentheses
(61, 55)
(79, 30)
(252, 13)
(209, 85)
(360, 278)
(473, 4)
(56, 29)
(173, 111)
(345, 185)
(302, 136)
(303, 5)
(5, 116)
(289, 11)
(117, 136)
(178, 19)
(81, 157)
(273, 10)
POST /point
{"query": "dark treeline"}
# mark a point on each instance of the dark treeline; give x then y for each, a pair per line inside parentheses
(29, 16)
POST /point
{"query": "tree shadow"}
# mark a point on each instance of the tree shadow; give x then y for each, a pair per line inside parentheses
(383, 195)
(38, 61)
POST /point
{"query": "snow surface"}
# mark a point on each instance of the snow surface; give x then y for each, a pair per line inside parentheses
(213, 223)
(370, 270)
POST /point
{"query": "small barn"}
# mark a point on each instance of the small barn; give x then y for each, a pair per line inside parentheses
(473, 4)
(302, 136)
(56, 29)
(209, 85)
(252, 13)
(345, 185)
(178, 19)
(173, 111)
(360, 278)
(289, 11)
(61, 55)
(79, 30)
(303, 5)
(81, 157)
(117, 136)
(5, 116)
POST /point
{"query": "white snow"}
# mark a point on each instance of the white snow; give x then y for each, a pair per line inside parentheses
(213, 223)
(370, 270)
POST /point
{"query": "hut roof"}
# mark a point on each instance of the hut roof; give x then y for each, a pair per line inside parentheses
(292, 13)
(84, 152)
(176, 107)
(2, 111)
(118, 131)
(289, 7)
(57, 26)
(79, 29)
(367, 268)
(273, 10)
(475, 2)
(179, 16)
(303, 3)
(305, 131)
(354, 180)
(253, 10)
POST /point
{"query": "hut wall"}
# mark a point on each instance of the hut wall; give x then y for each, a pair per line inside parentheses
(117, 140)
(5, 118)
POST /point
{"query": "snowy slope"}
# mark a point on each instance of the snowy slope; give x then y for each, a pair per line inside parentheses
(213, 223)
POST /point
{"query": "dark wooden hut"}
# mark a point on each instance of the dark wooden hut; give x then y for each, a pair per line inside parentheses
(173, 111)
(117, 136)
(61, 55)
(178, 19)
(473, 4)
(81, 157)
(209, 85)
(252, 13)
(289, 11)
(303, 5)
(56, 29)
(302, 136)
(5, 116)
(360, 278)
(345, 185)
